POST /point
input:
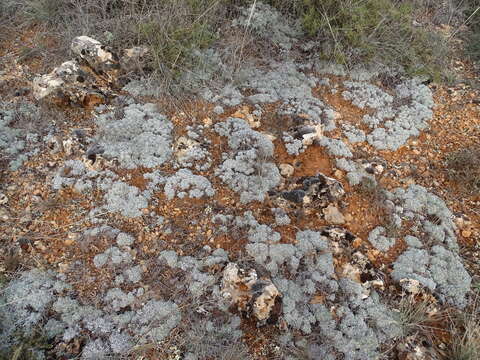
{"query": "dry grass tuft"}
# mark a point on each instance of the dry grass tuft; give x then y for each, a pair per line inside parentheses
(465, 333)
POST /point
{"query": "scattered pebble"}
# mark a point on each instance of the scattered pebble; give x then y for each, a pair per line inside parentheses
(286, 170)
(333, 215)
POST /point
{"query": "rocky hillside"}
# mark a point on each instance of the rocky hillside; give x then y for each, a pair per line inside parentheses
(287, 207)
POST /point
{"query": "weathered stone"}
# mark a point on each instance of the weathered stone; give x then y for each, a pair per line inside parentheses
(68, 72)
(374, 168)
(68, 83)
(286, 170)
(333, 215)
(97, 56)
(249, 294)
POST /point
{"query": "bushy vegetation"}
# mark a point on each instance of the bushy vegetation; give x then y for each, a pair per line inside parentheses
(349, 31)
(171, 28)
(379, 30)
(472, 14)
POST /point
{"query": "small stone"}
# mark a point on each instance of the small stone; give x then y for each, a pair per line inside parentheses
(357, 243)
(39, 245)
(333, 215)
(69, 242)
(247, 292)
(410, 285)
(207, 122)
(286, 170)
(466, 233)
(3, 199)
(96, 55)
(338, 174)
(62, 267)
(296, 196)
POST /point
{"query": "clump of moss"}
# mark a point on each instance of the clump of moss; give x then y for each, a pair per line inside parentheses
(172, 45)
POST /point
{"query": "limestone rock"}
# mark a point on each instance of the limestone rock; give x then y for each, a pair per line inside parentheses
(68, 72)
(249, 294)
(412, 286)
(310, 133)
(286, 170)
(373, 168)
(68, 83)
(333, 215)
(313, 192)
(97, 56)
(88, 80)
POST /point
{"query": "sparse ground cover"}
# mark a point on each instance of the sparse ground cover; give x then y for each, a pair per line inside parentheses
(347, 192)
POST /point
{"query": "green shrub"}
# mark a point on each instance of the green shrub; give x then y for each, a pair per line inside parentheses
(28, 347)
(473, 46)
(472, 13)
(50, 12)
(173, 45)
(382, 30)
